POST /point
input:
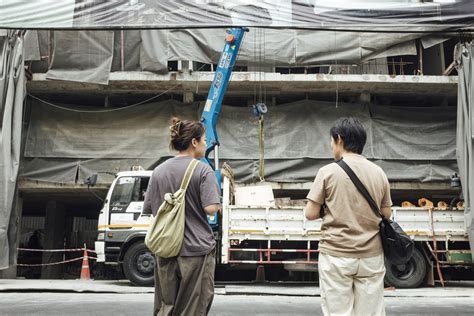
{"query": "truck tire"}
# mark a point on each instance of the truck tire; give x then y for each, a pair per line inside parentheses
(139, 264)
(410, 275)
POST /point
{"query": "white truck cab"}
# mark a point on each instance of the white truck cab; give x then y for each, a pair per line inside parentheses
(122, 227)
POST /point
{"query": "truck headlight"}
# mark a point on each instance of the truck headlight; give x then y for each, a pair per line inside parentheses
(101, 236)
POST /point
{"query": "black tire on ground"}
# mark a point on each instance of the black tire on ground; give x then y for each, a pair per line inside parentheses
(410, 275)
(138, 265)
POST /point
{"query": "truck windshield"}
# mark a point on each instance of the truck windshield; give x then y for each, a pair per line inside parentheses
(128, 189)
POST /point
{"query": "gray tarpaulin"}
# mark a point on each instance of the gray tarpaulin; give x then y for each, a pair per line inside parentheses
(32, 46)
(12, 92)
(131, 50)
(66, 146)
(154, 50)
(300, 130)
(287, 47)
(413, 133)
(465, 130)
(140, 131)
(43, 38)
(273, 47)
(84, 56)
(277, 47)
(294, 130)
(91, 56)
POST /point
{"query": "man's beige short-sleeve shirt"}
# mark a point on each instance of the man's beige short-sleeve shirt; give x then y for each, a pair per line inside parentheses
(350, 227)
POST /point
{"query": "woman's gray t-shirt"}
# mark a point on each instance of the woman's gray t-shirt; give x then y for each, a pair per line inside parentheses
(202, 191)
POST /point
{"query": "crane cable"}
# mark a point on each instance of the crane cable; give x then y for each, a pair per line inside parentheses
(261, 99)
(261, 126)
(261, 144)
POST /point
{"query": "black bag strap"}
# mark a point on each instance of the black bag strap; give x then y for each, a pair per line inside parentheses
(360, 187)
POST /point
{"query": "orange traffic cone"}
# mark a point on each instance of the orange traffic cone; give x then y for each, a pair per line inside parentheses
(85, 272)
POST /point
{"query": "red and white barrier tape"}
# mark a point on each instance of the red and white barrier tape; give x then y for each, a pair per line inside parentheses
(53, 263)
(56, 250)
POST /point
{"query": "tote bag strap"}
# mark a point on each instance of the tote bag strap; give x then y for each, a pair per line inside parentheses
(360, 187)
(189, 172)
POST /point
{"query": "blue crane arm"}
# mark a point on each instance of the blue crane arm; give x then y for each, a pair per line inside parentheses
(219, 85)
(213, 104)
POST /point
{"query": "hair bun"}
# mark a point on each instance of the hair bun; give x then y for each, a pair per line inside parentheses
(183, 132)
(175, 127)
(175, 120)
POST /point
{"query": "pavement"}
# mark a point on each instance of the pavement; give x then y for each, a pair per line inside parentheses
(77, 297)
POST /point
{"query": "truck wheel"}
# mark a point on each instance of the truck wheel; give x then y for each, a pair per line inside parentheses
(138, 265)
(409, 275)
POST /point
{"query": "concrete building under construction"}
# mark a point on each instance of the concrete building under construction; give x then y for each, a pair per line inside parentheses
(99, 101)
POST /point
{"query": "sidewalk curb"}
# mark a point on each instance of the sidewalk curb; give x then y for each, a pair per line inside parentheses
(73, 286)
(125, 287)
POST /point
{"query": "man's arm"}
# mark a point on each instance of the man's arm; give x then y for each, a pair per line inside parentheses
(312, 210)
(315, 198)
(386, 211)
(386, 204)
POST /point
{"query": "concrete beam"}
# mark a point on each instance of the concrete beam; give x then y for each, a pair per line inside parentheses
(33, 186)
(243, 83)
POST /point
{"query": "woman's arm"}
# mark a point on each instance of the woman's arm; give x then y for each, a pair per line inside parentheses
(212, 209)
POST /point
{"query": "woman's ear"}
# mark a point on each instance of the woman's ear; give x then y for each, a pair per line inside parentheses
(194, 142)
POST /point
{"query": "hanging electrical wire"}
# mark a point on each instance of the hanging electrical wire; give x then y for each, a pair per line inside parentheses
(99, 111)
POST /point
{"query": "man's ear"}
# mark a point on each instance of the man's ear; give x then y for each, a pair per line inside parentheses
(340, 141)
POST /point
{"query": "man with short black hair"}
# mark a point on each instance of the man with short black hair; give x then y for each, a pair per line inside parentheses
(351, 262)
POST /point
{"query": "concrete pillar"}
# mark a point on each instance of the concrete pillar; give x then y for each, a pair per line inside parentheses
(14, 238)
(365, 97)
(53, 239)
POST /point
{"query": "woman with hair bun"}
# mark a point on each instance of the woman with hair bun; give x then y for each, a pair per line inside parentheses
(184, 285)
